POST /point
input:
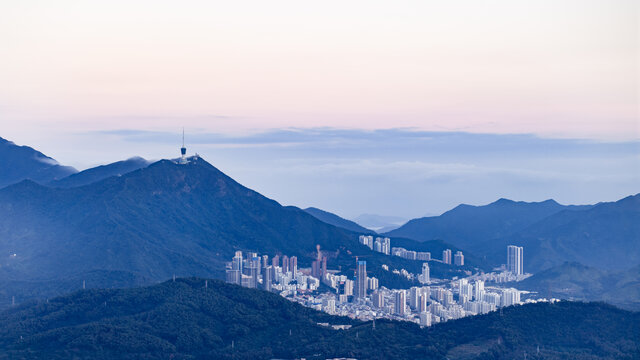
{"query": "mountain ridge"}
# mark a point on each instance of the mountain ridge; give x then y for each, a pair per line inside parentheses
(18, 163)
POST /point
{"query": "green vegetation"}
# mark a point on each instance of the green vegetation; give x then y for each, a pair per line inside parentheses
(575, 281)
(155, 222)
(186, 320)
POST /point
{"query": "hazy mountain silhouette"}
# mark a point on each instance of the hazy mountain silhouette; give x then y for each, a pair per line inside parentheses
(605, 236)
(101, 172)
(336, 220)
(188, 319)
(469, 226)
(18, 163)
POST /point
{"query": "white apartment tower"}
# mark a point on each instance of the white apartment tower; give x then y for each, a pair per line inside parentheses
(514, 260)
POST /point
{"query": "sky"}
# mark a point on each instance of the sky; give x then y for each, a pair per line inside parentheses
(397, 108)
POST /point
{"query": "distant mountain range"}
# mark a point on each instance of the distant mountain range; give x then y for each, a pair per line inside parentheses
(336, 220)
(470, 226)
(101, 172)
(187, 319)
(605, 235)
(18, 163)
(160, 220)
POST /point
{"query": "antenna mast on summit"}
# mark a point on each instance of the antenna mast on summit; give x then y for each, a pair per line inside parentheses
(183, 149)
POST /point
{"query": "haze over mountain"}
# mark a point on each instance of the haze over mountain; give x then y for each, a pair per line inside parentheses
(98, 173)
(379, 222)
(189, 318)
(336, 220)
(164, 219)
(18, 163)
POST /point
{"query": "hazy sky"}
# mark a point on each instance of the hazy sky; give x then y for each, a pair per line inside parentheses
(75, 75)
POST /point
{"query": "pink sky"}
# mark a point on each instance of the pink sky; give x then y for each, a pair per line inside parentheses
(552, 68)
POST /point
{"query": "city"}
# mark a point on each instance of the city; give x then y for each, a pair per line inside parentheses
(361, 297)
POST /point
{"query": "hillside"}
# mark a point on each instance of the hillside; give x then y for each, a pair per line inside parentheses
(575, 281)
(184, 319)
(337, 221)
(18, 163)
(469, 227)
(158, 221)
(606, 236)
(100, 172)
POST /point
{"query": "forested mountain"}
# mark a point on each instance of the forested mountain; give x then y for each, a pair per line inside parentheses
(573, 280)
(469, 227)
(98, 173)
(606, 236)
(336, 220)
(191, 318)
(18, 163)
(164, 219)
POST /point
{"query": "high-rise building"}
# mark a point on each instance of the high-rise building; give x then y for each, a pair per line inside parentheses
(323, 270)
(401, 300)
(285, 264)
(265, 261)
(234, 275)
(267, 278)
(361, 280)
(348, 287)
(254, 267)
(275, 262)
(424, 277)
(478, 290)
(422, 302)
(293, 265)
(414, 297)
(329, 305)
(425, 318)
(510, 297)
(458, 259)
(515, 260)
(378, 299)
(372, 283)
(446, 256)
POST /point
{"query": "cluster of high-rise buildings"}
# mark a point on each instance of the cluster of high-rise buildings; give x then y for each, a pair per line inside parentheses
(381, 244)
(255, 271)
(421, 304)
(360, 296)
(410, 254)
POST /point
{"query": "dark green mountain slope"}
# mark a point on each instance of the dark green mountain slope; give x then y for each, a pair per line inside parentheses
(18, 163)
(575, 281)
(158, 221)
(606, 236)
(336, 220)
(186, 320)
(101, 172)
(469, 227)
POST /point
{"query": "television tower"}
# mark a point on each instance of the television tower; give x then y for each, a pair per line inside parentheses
(183, 150)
